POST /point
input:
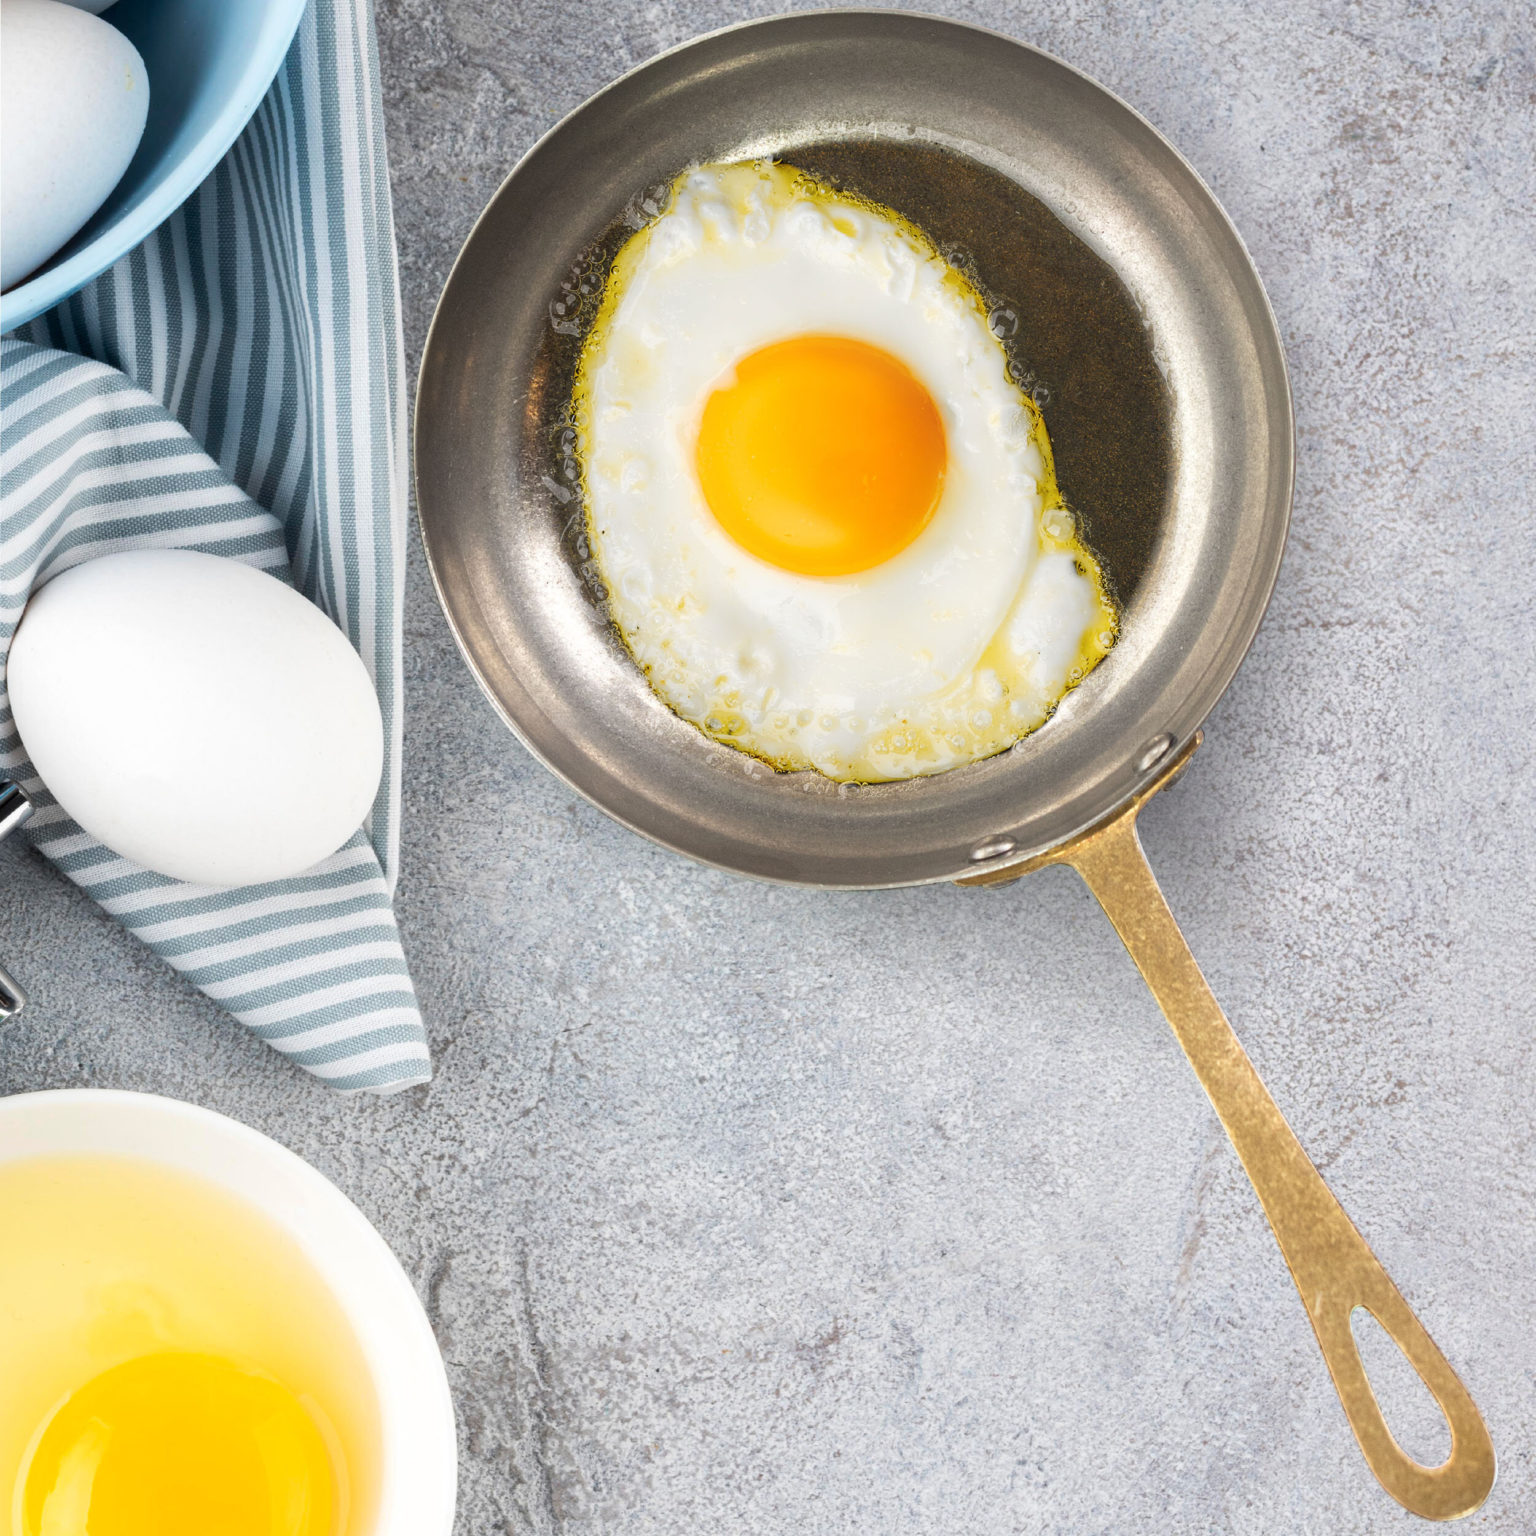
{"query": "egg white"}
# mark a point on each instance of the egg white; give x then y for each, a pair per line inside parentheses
(948, 652)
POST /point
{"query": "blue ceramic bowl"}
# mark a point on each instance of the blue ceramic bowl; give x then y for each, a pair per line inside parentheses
(209, 63)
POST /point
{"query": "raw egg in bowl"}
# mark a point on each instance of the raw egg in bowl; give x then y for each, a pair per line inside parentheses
(199, 1333)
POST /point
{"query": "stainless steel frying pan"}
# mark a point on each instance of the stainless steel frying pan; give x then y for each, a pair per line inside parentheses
(1133, 312)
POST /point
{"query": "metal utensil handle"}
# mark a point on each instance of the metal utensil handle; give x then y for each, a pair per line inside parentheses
(12, 998)
(15, 807)
(1332, 1265)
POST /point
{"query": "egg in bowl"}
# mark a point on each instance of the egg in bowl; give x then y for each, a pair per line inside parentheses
(825, 516)
(171, 1363)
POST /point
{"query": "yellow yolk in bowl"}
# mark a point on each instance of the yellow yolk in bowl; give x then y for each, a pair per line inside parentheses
(171, 1363)
(180, 1445)
(822, 455)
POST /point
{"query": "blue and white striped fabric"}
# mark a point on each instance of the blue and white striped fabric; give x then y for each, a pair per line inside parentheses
(236, 384)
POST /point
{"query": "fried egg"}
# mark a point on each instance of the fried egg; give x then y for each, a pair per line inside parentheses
(824, 517)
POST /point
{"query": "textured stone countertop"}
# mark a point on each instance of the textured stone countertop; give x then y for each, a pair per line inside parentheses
(758, 1210)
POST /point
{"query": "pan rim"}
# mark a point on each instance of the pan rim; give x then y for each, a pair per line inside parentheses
(1204, 693)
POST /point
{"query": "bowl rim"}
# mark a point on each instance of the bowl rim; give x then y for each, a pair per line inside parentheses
(50, 285)
(418, 1449)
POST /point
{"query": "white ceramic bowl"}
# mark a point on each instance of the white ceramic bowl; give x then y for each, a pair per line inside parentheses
(418, 1454)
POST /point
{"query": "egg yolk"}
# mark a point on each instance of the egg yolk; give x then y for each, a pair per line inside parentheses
(822, 455)
(180, 1445)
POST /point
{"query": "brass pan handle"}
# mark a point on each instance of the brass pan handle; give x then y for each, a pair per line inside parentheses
(1332, 1265)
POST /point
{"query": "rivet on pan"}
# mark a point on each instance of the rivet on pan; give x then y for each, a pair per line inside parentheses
(1154, 752)
(993, 848)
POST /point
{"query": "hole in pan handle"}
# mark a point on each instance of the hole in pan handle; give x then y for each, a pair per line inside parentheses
(15, 807)
(1332, 1265)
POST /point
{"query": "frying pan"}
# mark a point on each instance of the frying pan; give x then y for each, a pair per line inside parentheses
(1132, 311)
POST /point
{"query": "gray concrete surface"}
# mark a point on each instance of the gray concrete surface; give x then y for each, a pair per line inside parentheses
(757, 1210)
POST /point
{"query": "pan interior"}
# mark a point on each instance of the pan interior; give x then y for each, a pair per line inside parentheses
(1076, 340)
(1128, 308)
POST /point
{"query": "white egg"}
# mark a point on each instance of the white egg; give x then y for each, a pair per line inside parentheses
(863, 656)
(73, 100)
(196, 715)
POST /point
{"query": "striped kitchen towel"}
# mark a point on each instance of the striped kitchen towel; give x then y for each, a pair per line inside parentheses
(236, 385)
